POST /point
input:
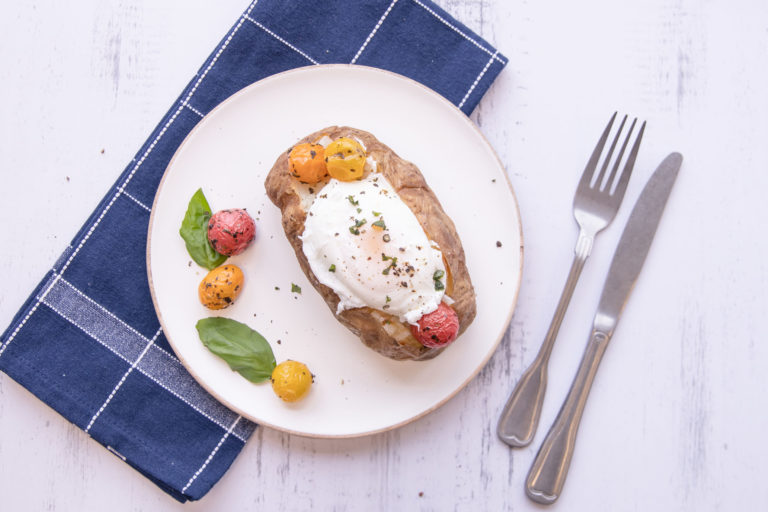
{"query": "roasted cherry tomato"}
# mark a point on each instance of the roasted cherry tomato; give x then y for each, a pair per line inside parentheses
(291, 380)
(220, 287)
(345, 159)
(231, 231)
(438, 328)
(306, 163)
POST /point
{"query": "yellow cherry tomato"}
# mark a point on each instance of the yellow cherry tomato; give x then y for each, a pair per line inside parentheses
(345, 159)
(307, 163)
(291, 380)
(220, 287)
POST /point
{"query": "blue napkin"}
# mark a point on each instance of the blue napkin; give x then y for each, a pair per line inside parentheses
(87, 341)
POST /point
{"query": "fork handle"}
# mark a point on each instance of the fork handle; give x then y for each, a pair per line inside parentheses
(520, 417)
(547, 474)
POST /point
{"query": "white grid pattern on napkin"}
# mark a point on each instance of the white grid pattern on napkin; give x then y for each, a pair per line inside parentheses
(122, 339)
(373, 32)
(137, 350)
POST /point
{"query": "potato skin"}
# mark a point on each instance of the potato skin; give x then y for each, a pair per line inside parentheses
(220, 287)
(373, 327)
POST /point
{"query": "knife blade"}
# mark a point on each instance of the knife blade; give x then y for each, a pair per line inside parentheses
(546, 477)
(635, 242)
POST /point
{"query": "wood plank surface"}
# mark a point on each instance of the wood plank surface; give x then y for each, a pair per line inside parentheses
(676, 412)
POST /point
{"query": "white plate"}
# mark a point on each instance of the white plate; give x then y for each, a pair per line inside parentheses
(229, 153)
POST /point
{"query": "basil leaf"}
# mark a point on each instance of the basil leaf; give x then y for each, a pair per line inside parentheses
(194, 231)
(245, 350)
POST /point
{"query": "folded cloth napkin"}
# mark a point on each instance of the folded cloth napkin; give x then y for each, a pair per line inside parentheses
(88, 342)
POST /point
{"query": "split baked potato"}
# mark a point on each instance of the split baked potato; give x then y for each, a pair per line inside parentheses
(294, 193)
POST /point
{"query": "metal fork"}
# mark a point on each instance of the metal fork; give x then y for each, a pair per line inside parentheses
(595, 205)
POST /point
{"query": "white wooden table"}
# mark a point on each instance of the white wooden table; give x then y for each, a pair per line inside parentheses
(678, 412)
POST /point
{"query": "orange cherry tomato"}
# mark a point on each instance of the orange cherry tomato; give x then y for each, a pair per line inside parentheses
(306, 163)
(220, 287)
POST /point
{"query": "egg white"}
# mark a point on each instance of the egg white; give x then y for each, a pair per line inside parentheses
(392, 269)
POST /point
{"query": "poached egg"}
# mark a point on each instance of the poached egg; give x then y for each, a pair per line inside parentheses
(363, 242)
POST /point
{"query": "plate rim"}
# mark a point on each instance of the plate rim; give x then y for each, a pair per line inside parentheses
(308, 69)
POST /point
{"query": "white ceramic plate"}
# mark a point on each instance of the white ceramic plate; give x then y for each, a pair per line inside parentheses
(229, 153)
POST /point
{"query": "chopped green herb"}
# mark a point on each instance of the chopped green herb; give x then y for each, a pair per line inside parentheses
(392, 264)
(354, 229)
(389, 299)
(352, 200)
(359, 210)
(376, 214)
(295, 288)
(332, 268)
(380, 224)
(436, 277)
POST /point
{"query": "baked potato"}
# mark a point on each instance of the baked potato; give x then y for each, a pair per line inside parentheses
(381, 330)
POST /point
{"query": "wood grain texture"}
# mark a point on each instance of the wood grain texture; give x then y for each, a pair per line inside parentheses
(677, 412)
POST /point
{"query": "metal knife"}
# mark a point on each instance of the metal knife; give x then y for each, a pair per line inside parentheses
(547, 474)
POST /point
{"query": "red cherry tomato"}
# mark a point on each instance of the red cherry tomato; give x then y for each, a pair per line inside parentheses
(438, 328)
(231, 231)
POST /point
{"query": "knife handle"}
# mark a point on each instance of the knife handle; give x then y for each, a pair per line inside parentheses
(547, 474)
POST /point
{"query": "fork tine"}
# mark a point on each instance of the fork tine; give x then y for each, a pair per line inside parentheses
(589, 170)
(607, 160)
(615, 169)
(621, 186)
